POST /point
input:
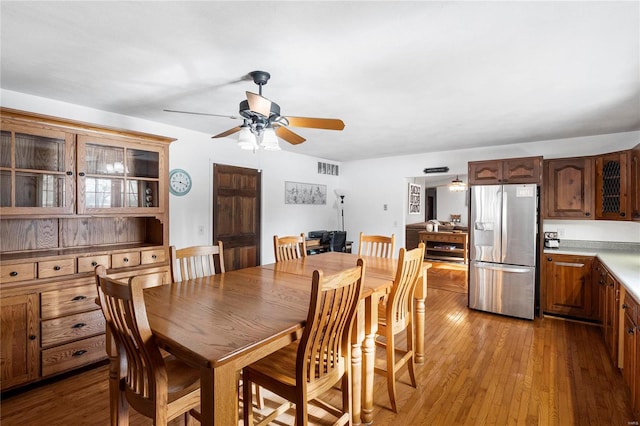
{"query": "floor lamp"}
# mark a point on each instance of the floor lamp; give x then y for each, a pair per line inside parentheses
(342, 210)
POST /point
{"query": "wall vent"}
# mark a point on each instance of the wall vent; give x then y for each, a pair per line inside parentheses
(328, 169)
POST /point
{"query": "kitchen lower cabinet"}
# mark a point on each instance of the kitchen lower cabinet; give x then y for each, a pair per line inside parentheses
(569, 289)
(19, 339)
(631, 349)
(611, 317)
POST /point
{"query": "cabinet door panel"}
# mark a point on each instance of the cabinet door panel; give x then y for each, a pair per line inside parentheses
(522, 170)
(19, 340)
(612, 187)
(569, 188)
(568, 286)
(485, 172)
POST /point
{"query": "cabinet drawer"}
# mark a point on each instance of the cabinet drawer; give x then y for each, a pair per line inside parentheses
(124, 260)
(89, 263)
(72, 327)
(68, 301)
(73, 355)
(153, 256)
(56, 268)
(17, 272)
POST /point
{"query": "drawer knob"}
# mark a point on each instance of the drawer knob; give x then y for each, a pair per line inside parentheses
(56, 268)
(94, 263)
(81, 174)
(625, 306)
(587, 214)
(13, 274)
(32, 337)
(69, 173)
(77, 298)
(78, 325)
(125, 260)
(79, 353)
(153, 256)
(630, 330)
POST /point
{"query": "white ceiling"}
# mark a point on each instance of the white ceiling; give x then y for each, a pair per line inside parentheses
(405, 77)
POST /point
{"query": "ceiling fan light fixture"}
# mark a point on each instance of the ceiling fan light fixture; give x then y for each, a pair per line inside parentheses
(269, 140)
(457, 185)
(246, 139)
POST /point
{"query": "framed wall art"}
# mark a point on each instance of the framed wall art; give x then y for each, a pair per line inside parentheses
(304, 193)
(415, 192)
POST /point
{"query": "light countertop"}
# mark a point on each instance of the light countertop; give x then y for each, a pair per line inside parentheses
(623, 264)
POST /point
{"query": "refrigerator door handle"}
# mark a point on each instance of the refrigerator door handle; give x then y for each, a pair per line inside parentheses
(503, 235)
(503, 268)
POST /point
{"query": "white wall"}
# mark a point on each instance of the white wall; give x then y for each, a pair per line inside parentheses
(196, 152)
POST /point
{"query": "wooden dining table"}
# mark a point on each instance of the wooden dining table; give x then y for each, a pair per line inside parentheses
(225, 322)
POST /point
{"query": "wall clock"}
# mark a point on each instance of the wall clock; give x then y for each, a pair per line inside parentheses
(179, 182)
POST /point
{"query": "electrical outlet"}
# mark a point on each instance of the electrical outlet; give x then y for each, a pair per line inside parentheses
(384, 207)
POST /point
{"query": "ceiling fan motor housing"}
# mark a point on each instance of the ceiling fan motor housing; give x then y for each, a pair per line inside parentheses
(256, 117)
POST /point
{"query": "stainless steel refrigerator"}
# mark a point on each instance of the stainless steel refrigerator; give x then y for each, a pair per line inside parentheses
(503, 249)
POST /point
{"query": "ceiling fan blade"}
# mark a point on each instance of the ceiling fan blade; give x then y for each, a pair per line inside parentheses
(289, 136)
(259, 104)
(227, 133)
(234, 117)
(316, 123)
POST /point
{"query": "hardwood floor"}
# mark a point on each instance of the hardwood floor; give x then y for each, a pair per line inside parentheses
(481, 369)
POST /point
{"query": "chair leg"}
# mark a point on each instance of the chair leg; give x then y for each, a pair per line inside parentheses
(259, 397)
(391, 372)
(301, 411)
(410, 366)
(247, 401)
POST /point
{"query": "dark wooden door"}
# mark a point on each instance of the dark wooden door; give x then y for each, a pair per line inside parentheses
(236, 214)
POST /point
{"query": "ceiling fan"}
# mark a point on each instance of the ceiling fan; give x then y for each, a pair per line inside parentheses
(262, 121)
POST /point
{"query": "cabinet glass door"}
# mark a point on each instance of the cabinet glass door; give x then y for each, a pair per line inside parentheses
(117, 177)
(36, 171)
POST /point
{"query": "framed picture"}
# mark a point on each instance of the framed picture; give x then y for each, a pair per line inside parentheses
(415, 192)
(304, 193)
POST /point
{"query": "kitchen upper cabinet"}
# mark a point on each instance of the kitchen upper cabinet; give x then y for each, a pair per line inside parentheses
(569, 289)
(19, 351)
(511, 170)
(613, 201)
(37, 170)
(568, 184)
(634, 178)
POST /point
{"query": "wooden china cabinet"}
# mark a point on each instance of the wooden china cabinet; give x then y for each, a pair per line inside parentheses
(72, 196)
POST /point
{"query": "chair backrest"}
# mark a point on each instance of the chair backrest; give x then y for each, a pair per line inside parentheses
(125, 312)
(196, 261)
(289, 247)
(326, 336)
(338, 241)
(377, 245)
(400, 300)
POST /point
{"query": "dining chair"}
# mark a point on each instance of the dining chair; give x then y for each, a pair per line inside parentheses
(338, 241)
(289, 247)
(161, 388)
(395, 315)
(377, 245)
(320, 359)
(196, 261)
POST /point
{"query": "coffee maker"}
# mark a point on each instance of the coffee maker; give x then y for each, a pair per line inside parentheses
(551, 240)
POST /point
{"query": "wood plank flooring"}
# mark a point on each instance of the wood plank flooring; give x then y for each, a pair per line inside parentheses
(480, 369)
